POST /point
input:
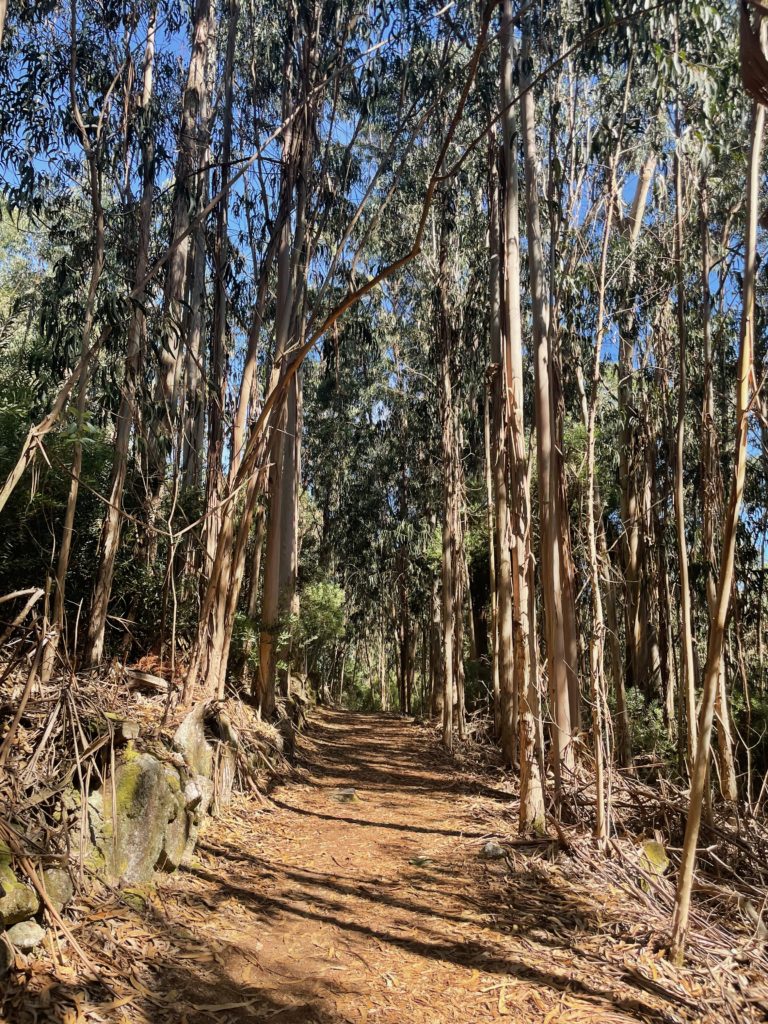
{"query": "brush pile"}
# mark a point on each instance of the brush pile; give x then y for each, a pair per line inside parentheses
(104, 781)
(629, 885)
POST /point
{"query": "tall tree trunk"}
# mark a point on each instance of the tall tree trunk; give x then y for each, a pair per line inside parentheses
(629, 503)
(113, 519)
(460, 592)
(595, 514)
(526, 709)
(281, 551)
(621, 717)
(449, 541)
(551, 559)
(660, 499)
(383, 672)
(436, 656)
(493, 641)
(499, 459)
(97, 266)
(258, 547)
(289, 508)
(187, 194)
(728, 552)
(192, 423)
(686, 626)
(252, 606)
(711, 502)
(270, 609)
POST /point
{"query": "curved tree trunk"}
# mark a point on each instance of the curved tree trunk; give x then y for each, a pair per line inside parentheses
(728, 554)
(711, 502)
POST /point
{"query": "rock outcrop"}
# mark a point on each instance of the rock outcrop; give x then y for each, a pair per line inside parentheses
(148, 814)
(18, 901)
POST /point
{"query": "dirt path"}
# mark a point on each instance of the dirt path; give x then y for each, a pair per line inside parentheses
(326, 909)
(327, 906)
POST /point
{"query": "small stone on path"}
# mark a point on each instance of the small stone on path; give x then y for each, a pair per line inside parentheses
(26, 935)
(345, 795)
(492, 851)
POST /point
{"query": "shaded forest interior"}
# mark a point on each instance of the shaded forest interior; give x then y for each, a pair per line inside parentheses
(397, 357)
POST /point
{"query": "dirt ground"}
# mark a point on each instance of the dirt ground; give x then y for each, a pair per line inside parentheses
(358, 893)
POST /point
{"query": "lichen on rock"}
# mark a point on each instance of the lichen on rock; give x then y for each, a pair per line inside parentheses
(190, 740)
(18, 900)
(178, 827)
(58, 887)
(135, 822)
(26, 935)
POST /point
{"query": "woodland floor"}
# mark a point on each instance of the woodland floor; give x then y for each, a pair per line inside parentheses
(312, 909)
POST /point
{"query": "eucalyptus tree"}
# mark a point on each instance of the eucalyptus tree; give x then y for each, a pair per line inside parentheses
(126, 415)
(561, 662)
(343, 240)
(284, 280)
(756, 83)
(498, 461)
(91, 140)
(85, 75)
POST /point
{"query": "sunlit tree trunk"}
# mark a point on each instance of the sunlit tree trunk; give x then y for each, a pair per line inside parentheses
(436, 657)
(499, 460)
(384, 696)
(551, 558)
(92, 158)
(711, 502)
(270, 608)
(280, 561)
(461, 595)
(526, 709)
(493, 640)
(728, 552)
(629, 501)
(165, 422)
(113, 519)
(449, 574)
(686, 626)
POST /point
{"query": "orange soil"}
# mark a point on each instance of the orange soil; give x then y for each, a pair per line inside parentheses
(381, 909)
(316, 910)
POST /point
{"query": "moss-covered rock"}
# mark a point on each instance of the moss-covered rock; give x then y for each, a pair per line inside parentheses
(18, 900)
(177, 830)
(135, 823)
(137, 896)
(58, 887)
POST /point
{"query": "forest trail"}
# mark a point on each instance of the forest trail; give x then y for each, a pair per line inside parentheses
(326, 908)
